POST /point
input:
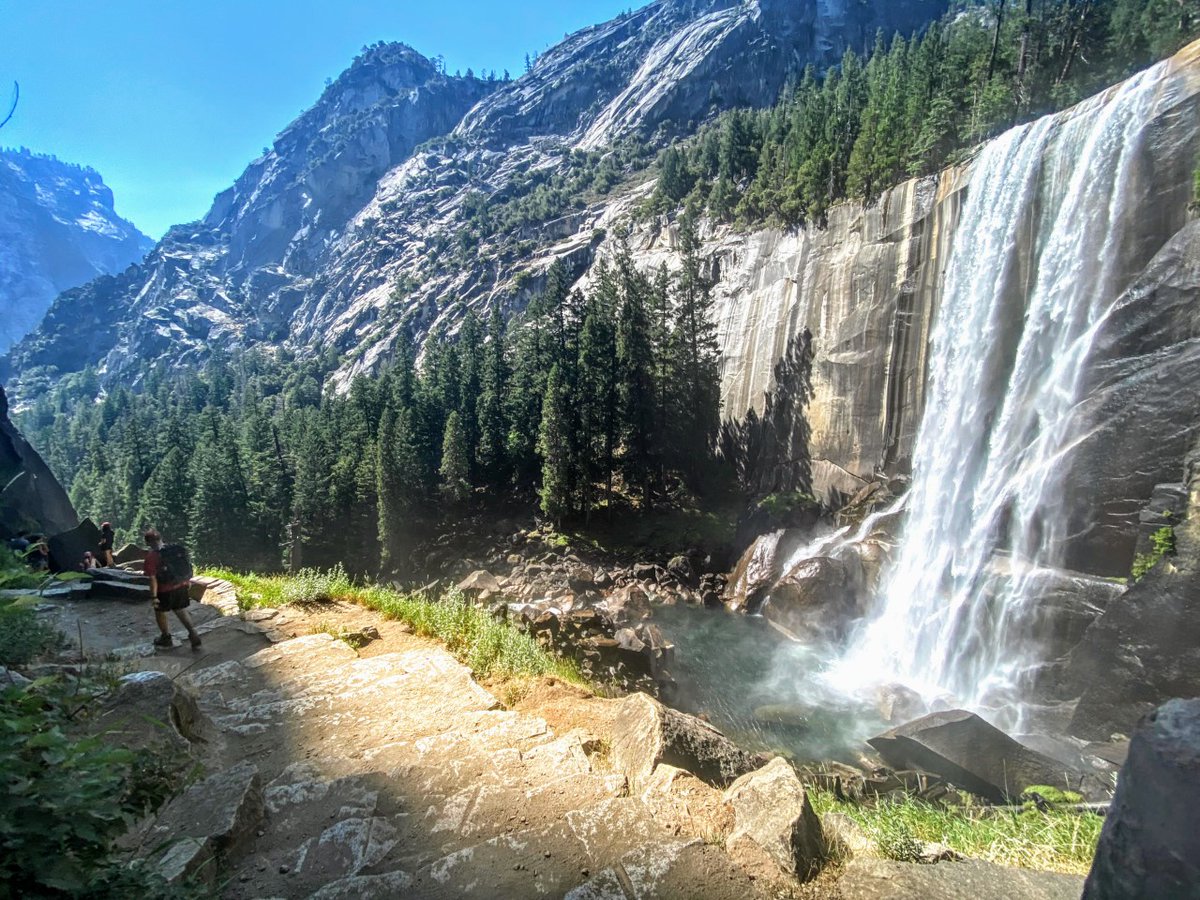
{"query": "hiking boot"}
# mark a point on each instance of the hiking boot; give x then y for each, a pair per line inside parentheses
(164, 640)
(195, 641)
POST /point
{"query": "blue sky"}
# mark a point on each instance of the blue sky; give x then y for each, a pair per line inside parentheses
(169, 99)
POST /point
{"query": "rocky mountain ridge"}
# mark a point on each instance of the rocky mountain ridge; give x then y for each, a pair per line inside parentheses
(58, 230)
(310, 246)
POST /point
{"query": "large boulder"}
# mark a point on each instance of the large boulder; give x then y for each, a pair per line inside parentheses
(815, 599)
(627, 605)
(212, 821)
(647, 733)
(1145, 648)
(481, 582)
(772, 810)
(1150, 846)
(130, 553)
(761, 566)
(149, 710)
(972, 754)
(67, 547)
(31, 499)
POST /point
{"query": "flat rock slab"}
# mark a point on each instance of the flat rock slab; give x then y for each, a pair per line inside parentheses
(125, 591)
(873, 879)
(971, 754)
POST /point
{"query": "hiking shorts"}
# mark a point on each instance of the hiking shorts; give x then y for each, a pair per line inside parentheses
(176, 598)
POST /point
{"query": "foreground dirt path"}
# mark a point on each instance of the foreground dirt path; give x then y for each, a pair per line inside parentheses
(393, 773)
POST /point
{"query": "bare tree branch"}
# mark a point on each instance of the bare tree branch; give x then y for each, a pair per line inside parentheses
(13, 108)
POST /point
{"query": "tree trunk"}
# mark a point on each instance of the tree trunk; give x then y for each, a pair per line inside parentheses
(1000, 6)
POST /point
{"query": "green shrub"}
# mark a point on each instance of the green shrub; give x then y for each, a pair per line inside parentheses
(782, 504)
(66, 800)
(1163, 544)
(316, 586)
(23, 638)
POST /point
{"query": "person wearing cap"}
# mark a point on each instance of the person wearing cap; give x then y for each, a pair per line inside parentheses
(104, 554)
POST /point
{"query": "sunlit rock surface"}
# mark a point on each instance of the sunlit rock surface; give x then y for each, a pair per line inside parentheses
(58, 230)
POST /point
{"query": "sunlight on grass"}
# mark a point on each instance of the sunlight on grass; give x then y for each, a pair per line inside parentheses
(1054, 841)
(491, 648)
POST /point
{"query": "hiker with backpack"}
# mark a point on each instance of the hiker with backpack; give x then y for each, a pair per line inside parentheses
(170, 573)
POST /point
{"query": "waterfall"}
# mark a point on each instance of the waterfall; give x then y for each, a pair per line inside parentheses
(1031, 276)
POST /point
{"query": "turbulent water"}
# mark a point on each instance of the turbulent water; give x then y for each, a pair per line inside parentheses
(1031, 277)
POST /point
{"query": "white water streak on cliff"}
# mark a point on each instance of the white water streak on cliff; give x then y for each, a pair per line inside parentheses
(1010, 344)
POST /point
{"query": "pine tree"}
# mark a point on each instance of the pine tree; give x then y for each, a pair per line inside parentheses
(456, 462)
(470, 383)
(694, 362)
(218, 508)
(635, 378)
(554, 447)
(598, 385)
(400, 486)
(167, 497)
(491, 454)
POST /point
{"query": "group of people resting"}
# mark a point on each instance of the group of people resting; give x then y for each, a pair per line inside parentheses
(170, 575)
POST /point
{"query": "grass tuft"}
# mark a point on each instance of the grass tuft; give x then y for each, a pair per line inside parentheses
(492, 649)
(1051, 841)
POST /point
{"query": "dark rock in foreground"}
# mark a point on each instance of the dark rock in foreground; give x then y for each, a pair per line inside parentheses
(31, 498)
(968, 752)
(1150, 846)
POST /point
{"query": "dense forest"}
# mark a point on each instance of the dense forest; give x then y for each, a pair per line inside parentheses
(914, 105)
(589, 400)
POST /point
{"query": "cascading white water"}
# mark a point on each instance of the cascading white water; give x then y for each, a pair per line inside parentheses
(1031, 276)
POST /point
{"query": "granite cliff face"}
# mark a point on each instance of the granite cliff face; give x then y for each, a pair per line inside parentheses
(58, 230)
(31, 499)
(308, 247)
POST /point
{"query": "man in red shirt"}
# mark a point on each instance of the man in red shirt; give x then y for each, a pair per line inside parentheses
(168, 597)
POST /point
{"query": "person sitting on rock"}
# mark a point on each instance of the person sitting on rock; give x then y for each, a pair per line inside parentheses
(38, 555)
(170, 577)
(89, 561)
(108, 540)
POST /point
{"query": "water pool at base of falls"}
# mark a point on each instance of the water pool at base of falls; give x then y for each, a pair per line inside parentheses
(764, 691)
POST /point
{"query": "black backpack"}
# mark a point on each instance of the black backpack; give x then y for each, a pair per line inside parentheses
(174, 567)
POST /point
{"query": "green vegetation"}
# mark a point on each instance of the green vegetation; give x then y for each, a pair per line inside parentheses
(585, 400)
(1055, 840)
(782, 504)
(68, 797)
(914, 105)
(491, 648)
(1162, 543)
(23, 637)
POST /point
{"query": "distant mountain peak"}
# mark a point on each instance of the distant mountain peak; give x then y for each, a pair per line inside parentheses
(58, 230)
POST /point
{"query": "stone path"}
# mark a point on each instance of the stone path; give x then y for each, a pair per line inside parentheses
(390, 772)
(395, 774)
